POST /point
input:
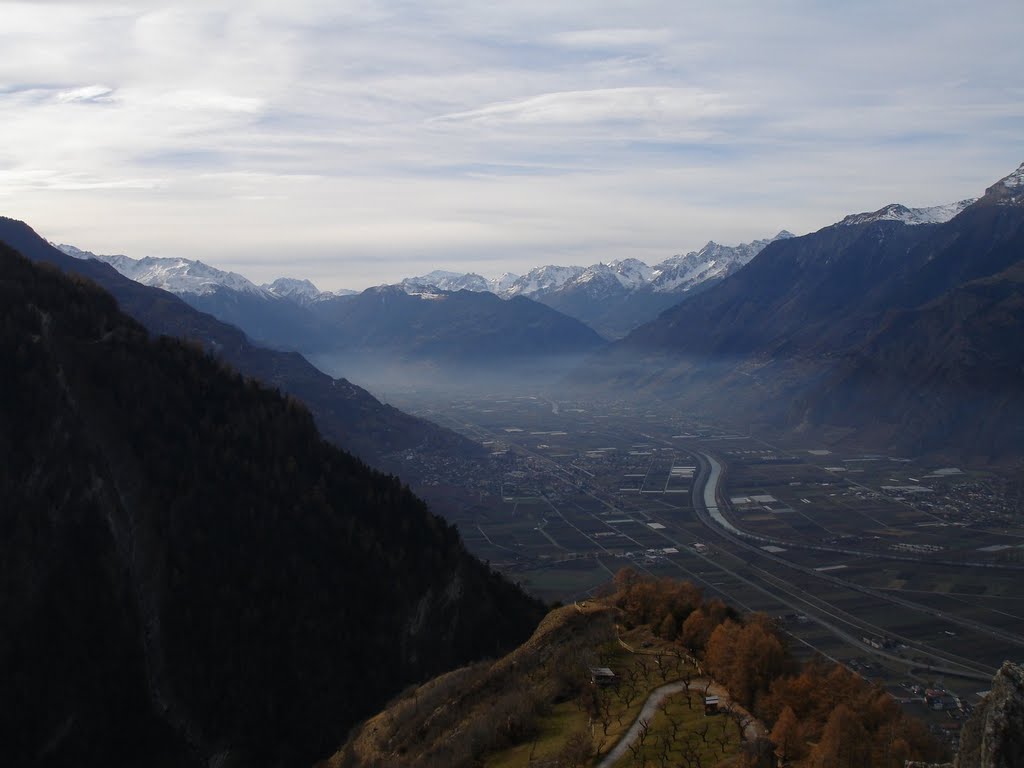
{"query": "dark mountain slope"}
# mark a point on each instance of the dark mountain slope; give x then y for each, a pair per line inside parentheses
(951, 371)
(270, 321)
(611, 309)
(450, 342)
(889, 329)
(448, 327)
(346, 414)
(188, 569)
(830, 289)
(791, 294)
(984, 240)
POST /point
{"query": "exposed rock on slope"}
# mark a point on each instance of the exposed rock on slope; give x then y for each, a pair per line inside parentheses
(993, 737)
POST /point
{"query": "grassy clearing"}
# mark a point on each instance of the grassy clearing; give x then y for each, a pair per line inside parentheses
(680, 734)
(639, 673)
(564, 720)
(568, 579)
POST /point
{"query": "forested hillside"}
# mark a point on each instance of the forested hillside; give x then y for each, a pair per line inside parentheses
(542, 704)
(188, 569)
(345, 414)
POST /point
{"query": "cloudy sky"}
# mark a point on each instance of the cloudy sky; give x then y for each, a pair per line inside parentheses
(359, 142)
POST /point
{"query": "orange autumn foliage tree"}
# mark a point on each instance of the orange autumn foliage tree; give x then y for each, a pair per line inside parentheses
(819, 714)
(788, 737)
(747, 657)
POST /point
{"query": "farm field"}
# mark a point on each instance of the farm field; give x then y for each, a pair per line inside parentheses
(908, 572)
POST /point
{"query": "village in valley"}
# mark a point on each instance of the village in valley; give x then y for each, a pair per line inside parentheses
(888, 565)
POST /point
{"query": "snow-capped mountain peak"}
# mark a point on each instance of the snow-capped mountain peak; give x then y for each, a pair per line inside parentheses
(682, 273)
(632, 273)
(445, 281)
(937, 214)
(596, 274)
(1009, 190)
(1015, 180)
(543, 280)
(172, 274)
(293, 288)
(502, 283)
(301, 291)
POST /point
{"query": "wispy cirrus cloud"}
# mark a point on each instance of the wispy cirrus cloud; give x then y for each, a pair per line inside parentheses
(360, 137)
(628, 38)
(85, 93)
(634, 104)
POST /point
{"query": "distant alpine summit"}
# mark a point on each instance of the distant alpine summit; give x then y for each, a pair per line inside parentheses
(187, 276)
(171, 274)
(938, 214)
(611, 298)
(456, 281)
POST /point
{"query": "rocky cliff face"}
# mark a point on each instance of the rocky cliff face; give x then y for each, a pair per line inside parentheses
(994, 735)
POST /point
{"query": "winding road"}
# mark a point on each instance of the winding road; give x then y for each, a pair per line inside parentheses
(753, 730)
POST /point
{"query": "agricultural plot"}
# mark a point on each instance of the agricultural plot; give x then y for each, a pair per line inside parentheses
(593, 491)
(555, 579)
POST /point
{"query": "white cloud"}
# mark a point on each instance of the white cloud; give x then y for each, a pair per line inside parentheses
(86, 93)
(613, 38)
(375, 134)
(606, 104)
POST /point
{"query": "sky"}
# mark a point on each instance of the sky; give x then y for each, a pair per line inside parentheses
(357, 143)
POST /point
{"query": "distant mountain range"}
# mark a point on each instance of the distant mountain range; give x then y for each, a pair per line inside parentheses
(346, 414)
(275, 314)
(615, 298)
(785, 332)
(383, 336)
(611, 298)
(185, 276)
(899, 327)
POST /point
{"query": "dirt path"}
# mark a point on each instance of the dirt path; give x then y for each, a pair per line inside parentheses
(751, 732)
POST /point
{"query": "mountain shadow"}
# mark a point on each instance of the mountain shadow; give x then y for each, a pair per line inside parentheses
(190, 571)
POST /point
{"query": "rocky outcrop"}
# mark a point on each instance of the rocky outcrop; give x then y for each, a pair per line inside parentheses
(993, 737)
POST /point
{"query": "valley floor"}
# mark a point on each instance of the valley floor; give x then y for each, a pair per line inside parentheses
(903, 571)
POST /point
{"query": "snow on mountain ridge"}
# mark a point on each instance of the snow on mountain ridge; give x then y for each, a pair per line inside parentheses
(172, 274)
(1009, 190)
(502, 282)
(682, 273)
(632, 273)
(676, 274)
(543, 280)
(301, 291)
(1015, 179)
(291, 287)
(938, 214)
(446, 281)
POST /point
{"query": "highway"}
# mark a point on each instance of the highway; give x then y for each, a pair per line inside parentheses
(708, 507)
(711, 509)
(715, 506)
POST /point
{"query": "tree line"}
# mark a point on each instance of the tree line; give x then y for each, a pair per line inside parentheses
(820, 715)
